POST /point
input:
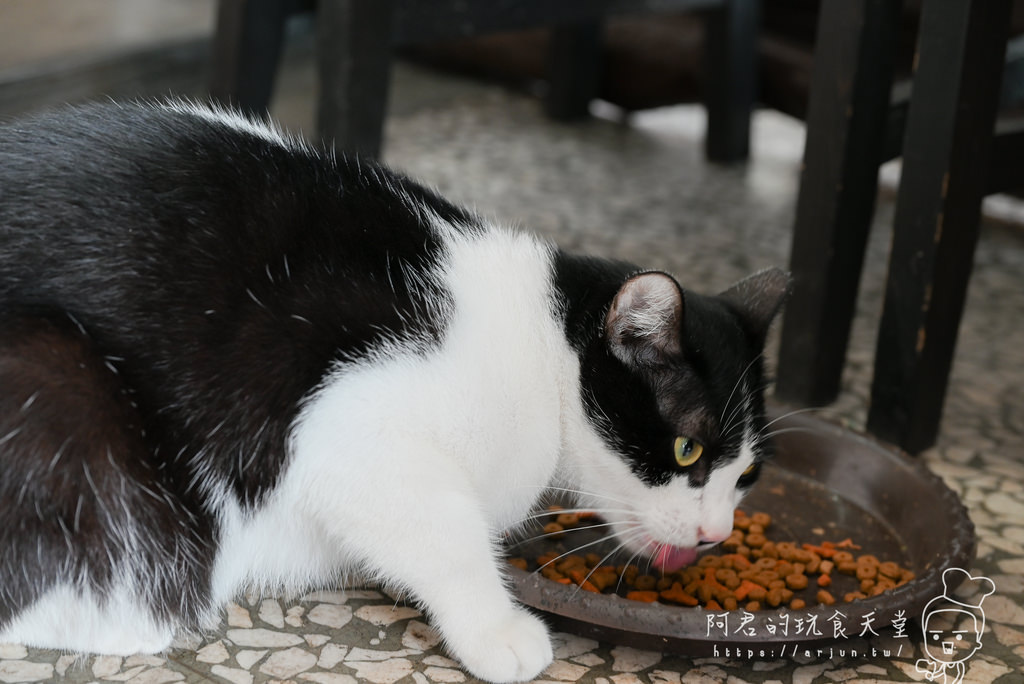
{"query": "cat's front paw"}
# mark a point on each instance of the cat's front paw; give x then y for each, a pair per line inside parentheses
(513, 648)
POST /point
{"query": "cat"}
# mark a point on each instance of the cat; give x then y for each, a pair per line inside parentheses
(232, 361)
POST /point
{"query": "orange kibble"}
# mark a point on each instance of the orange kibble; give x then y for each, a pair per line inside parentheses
(866, 572)
(755, 541)
(643, 596)
(519, 563)
(645, 583)
(545, 559)
(568, 520)
(889, 569)
(551, 573)
(553, 529)
(796, 581)
(756, 572)
(676, 595)
(847, 567)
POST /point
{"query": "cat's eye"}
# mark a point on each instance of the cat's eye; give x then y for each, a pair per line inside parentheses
(750, 470)
(687, 450)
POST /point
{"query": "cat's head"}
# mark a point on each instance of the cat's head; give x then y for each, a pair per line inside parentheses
(673, 385)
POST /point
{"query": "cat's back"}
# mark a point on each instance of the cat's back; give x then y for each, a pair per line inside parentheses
(175, 183)
(124, 213)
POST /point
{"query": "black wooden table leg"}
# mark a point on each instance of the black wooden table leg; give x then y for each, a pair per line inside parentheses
(846, 122)
(246, 50)
(946, 156)
(354, 63)
(730, 78)
(574, 69)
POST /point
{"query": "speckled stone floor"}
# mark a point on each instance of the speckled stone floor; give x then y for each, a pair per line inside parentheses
(639, 191)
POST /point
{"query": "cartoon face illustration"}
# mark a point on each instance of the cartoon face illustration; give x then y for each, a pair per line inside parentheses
(951, 635)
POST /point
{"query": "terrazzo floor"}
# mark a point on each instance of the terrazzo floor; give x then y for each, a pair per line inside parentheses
(639, 191)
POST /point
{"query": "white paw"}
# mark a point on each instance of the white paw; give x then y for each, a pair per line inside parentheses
(514, 648)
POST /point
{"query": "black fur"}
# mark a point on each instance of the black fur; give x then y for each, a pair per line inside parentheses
(695, 393)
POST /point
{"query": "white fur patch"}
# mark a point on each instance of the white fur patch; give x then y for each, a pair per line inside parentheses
(73, 619)
(479, 418)
(265, 130)
(675, 514)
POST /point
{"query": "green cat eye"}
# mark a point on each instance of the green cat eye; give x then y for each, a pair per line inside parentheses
(688, 450)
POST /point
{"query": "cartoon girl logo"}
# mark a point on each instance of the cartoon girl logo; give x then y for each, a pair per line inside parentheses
(953, 627)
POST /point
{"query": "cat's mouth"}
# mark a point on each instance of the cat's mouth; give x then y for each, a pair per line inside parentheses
(671, 558)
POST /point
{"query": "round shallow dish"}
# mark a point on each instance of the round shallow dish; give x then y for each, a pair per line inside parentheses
(825, 482)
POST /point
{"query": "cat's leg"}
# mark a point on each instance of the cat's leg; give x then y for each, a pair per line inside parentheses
(447, 559)
(95, 554)
(415, 521)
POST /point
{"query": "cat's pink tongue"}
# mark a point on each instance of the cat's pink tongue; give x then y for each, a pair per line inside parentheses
(671, 558)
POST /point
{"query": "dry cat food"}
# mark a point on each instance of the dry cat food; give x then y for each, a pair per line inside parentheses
(753, 573)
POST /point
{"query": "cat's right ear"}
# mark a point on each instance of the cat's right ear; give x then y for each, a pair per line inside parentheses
(644, 323)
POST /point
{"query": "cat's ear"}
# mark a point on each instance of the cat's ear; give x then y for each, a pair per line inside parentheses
(645, 319)
(758, 298)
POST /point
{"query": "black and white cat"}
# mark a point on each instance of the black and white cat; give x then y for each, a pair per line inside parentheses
(229, 361)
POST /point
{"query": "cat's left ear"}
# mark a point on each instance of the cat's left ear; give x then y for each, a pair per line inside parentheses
(645, 319)
(758, 298)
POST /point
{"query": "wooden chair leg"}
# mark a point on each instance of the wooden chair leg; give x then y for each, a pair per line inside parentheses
(354, 63)
(846, 122)
(730, 75)
(574, 70)
(946, 152)
(246, 50)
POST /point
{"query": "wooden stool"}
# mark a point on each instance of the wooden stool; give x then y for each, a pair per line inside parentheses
(355, 39)
(946, 132)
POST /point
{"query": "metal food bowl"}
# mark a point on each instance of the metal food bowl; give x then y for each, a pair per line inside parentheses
(825, 482)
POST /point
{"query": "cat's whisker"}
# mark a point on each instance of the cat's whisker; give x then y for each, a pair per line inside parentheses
(765, 436)
(736, 386)
(733, 424)
(529, 540)
(570, 511)
(577, 510)
(602, 540)
(622, 544)
(583, 492)
(794, 412)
